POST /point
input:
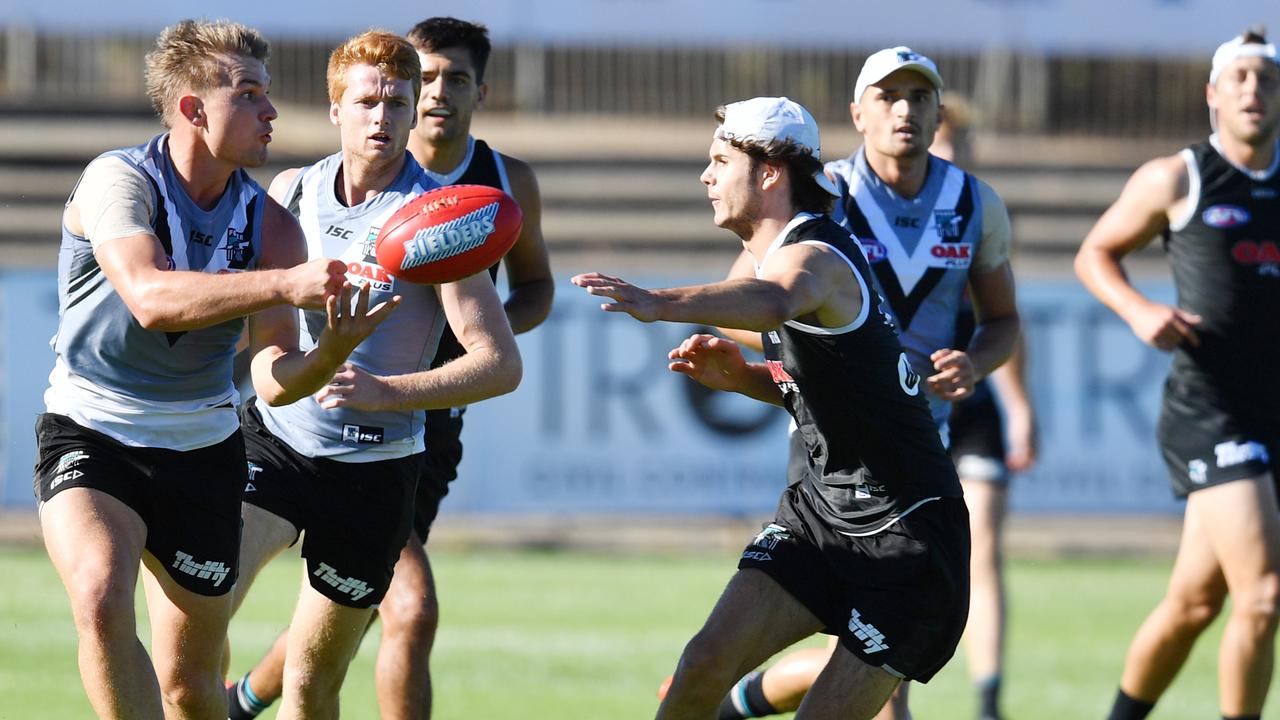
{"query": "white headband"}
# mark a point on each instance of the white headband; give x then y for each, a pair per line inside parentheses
(1235, 49)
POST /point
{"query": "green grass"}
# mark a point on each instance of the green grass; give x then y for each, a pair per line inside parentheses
(536, 635)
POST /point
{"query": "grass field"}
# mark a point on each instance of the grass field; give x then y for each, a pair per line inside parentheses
(536, 636)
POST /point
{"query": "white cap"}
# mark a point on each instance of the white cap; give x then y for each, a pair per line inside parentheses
(1230, 51)
(763, 120)
(885, 62)
(1236, 48)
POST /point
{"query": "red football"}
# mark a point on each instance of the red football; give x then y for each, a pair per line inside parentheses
(449, 233)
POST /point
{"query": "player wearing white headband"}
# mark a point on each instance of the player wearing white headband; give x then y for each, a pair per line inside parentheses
(1215, 204)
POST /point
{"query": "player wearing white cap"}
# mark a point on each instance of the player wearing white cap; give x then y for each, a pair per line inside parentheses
(1215, 206)
(930, 231)
(870, 542)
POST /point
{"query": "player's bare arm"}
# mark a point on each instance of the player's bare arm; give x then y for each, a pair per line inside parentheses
(529, 282)
(991, 289)
(809, 283)
(996, 332)
(491, 365)
(1154, 194)
(1020, 421)
(175, 301)
(743, 267)
(718, 363)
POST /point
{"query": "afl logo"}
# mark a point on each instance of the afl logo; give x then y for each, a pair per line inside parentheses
(907, 377)
(873, 249)
(1226, 216)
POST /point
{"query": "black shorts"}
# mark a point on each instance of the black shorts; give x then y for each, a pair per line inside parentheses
(439, 466)
(189, 500)
(355, 516)
(1205, 444)
(898, 599)
(977, 437)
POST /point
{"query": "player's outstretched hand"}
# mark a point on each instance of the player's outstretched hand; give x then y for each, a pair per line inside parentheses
(712, 361)
(637, 302)
(1164, 327)
(311, 284)
(353, 388)
(955, 377)
(349, 325)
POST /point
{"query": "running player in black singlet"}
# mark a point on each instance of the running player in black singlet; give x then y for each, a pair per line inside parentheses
(870, 542)
(453, 54)
(1215, 204)
(933, 235)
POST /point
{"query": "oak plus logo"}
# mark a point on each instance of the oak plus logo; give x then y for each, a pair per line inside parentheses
(346, 585)
(872, 639)
(373, 275)
(1262, 254)
(951, 255)
(451, 238)
(214, 570)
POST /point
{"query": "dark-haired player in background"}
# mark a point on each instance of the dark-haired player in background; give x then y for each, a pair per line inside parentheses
(1215, 204)
(453, 54)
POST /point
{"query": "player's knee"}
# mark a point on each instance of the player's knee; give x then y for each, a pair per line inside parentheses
(189, 690)
(1195, 613)
(315, 686)
(414, 615)
(102, 607)
(1261, 603)
(704, 663)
